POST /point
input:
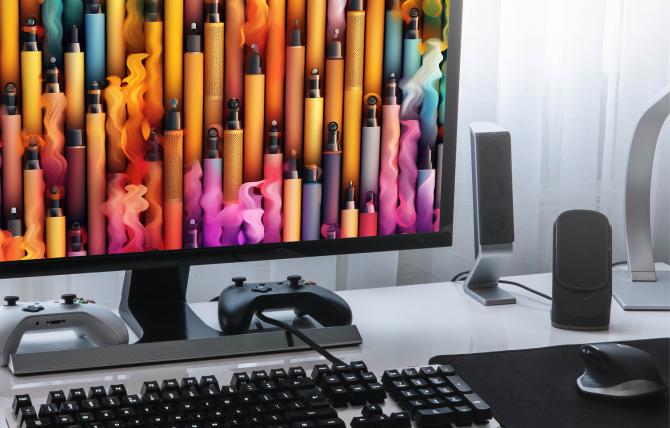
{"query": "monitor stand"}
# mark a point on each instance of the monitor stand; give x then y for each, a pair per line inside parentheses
(154, 306)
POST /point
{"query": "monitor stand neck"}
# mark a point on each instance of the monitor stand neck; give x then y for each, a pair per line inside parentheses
(153, 304)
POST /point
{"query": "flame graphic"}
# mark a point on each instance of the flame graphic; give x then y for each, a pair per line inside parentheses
(114, 209)
(135, 205)
(136, 129)
(53, 162)
(255, 28)
(252, 213)
(337, 19)
(116, 117)
(406, 211)
(133, 26)
(193, 193)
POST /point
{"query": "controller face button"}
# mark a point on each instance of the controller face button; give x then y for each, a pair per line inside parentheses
(33, 308)
(261, 289)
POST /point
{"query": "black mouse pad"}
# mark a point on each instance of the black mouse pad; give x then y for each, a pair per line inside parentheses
(537, 388)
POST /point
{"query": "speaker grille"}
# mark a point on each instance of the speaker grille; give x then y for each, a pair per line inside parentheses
(493, 158)
(233, 157)
(173, 148)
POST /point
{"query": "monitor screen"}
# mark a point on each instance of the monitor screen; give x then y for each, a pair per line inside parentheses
(199, 132)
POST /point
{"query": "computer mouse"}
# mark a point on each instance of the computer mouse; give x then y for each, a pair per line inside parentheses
(619, 371)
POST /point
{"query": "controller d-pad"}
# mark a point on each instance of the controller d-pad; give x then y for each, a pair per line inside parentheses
(33, 308)
(261, 289)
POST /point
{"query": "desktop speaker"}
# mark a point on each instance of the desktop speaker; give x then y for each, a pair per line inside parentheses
(582, 271)
(493, 211)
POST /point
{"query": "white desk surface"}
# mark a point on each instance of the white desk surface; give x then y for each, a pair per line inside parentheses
(400, 326)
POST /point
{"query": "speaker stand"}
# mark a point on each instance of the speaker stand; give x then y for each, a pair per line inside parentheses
(642, 296)
(482, 282)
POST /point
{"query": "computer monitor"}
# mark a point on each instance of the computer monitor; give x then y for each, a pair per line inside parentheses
(174, 137)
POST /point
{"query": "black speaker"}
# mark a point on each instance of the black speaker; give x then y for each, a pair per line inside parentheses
(582, 271)
(492, 178)
(493, 211)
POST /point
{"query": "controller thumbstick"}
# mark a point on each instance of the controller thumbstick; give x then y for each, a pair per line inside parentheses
(294, 280)
(11, 300)
(68, 299)
(239, 281)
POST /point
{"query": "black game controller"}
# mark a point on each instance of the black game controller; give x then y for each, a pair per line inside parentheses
(239, 302)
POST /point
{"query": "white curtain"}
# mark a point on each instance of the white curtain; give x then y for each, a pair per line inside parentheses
(568, 79)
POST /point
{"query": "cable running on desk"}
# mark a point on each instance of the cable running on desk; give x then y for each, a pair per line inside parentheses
(463, 275)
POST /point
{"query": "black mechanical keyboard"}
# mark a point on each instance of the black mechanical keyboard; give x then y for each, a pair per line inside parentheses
(431, 396)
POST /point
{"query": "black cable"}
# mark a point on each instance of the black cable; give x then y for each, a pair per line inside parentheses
(458, 275)
(302, 336)
(539, 293)
(502, 281)
(619, 263)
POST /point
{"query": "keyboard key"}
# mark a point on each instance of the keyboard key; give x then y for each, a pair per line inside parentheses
(26, 413)
(209, 382)
(389, 376)
(22, 400)
(427, 372)
(339, 368)
(444, 391)
(454, 400)
(331, 423)
(319, 371)
(64, 420)
(458, 384)
(371, 410)
(56, 397)
(445, 370)
(170, 385)
(439, 417)
(481, 410)
(400, 420)
(294, 384)
(358, 366)
(77, 394)
(367, 377)
(240, 379)
(91, 405)
(409, 374)
(297, 373)
(258, 376)
(376, 393)
(358, 395)
(418, 383)
(463, 415)
(188, 382)
(338, 395)
(415, 405)
(48, 411)
(278, 375)
(68, 407)
(37, 423)
(97, 392)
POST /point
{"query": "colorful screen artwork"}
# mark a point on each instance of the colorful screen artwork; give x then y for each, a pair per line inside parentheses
(144, 125)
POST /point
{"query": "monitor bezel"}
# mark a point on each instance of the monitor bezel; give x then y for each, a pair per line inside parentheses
(287, 250)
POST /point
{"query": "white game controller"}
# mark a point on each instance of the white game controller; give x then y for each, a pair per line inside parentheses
(101, 326)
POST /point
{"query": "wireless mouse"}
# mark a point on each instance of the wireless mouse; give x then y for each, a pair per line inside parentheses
(619, 371)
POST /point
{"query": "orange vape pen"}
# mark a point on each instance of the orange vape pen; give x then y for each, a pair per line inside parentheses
(55, 226)
(33, 202)
(9, 42)
(153, 41)
(31, 80)
(334, 83)
(349, 216)
(96, 172)
(254, 91)
(233, 148)
(316, 36)
(274, 65)
(292, 204)
(174, 50)
(234, 52)
(115, 12)
(313, 132)
(75, 89)
(353, 93)
(193, 115)
(374, 47)
(153, 218)
(12, 153)
(173, 166)
(214, 56)
(295, 90)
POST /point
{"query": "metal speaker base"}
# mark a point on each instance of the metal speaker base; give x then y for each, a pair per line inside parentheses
(489, 295)
(642, 296)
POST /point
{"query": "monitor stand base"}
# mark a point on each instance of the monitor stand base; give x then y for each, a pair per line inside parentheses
(639, 295)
